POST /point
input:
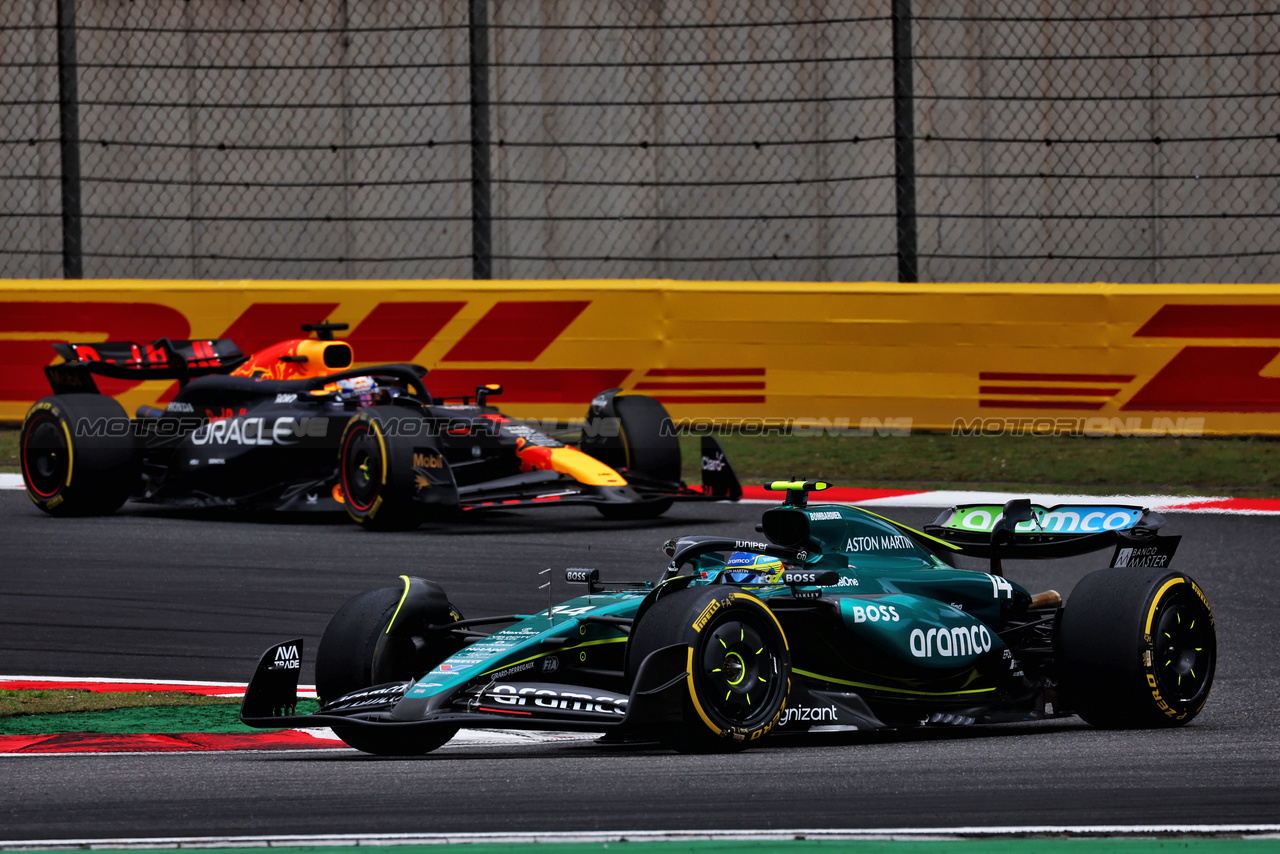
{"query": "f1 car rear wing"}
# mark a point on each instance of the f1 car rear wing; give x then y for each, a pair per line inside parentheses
(1021, 530)
(163, 359)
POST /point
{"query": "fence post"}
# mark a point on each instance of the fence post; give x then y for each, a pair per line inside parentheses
(904, 141)
(69, 139)
(481, 226)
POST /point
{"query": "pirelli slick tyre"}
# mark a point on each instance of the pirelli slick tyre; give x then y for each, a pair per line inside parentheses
(376, 467)
(361, 648)
(79, 454)
(1137, 648)
(398, 741)
(739, 666)
(646, 447)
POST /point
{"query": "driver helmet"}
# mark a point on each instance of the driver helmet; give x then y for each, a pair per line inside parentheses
(751, 568)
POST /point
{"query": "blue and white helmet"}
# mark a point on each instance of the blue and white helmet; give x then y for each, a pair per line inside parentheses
(751, 568)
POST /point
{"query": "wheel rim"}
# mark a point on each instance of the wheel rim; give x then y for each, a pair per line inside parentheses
(45, 456)
(361, 468)
(739, 673)
(1183, 648)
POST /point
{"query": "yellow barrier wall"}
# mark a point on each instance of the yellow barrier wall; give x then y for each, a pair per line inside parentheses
(975, 357)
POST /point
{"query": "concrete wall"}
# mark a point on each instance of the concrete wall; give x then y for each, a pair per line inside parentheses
(739, 139)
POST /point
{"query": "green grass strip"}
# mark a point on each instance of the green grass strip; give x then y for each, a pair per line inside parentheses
(987, 845)
(217, 717)
(1242, 467)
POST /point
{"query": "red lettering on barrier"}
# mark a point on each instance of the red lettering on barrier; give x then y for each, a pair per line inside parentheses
(265, 323)
(516, 331)
(1212, 379)
(1213, 321)
(24, 360)
(397, 331)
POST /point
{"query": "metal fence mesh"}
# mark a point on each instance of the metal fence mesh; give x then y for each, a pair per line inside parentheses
(1128, 141)
(685, 139)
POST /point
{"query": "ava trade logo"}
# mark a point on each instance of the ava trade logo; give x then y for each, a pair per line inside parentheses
(516, 331)
(1198, 379)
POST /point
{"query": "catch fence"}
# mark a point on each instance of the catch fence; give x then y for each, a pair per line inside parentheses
(830, 140)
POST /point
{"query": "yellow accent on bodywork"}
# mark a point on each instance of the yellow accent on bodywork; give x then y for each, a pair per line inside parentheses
(582, 467)
(399, 605)
(929, 537)
(557, 652)
(780, 485)
(893, 690)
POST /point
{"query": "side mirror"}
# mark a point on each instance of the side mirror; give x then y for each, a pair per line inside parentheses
(487, 390)
(1002, 533)
(786, 526)
(583, 575)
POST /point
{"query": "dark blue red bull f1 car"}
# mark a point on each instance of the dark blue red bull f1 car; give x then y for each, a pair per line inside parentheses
(296, 427)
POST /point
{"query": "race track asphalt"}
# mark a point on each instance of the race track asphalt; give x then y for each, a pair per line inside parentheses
(150, 594)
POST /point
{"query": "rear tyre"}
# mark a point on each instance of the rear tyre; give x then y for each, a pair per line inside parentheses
(648, 450)
(739, 670)
(376, 469)
(1138, 648)
(350, 658)
(72, 471)
(652, 447)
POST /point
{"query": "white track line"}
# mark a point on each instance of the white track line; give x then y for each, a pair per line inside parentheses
(464, 738)
(943, 498)
(597, 837)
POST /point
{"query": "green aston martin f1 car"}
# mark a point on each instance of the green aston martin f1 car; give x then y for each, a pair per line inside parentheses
(837, 619)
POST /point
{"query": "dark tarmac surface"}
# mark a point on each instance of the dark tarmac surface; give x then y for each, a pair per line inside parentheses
(154, 594)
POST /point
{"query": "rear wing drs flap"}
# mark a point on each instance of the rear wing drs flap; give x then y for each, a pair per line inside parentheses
(161, 359)
(1020, 530)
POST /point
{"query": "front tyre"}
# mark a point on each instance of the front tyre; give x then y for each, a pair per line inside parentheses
(382, 636)
(398, 742)
(738, 665)
(79, 455)
(1138, 648)
(376, 466)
